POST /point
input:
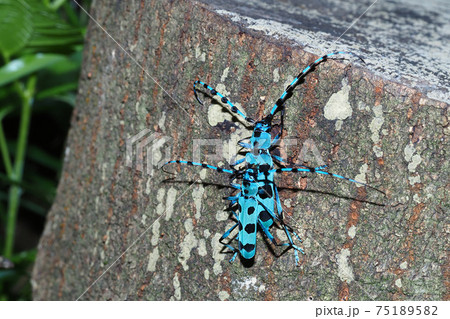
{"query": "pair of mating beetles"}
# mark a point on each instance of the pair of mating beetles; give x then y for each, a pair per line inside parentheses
(257, 203)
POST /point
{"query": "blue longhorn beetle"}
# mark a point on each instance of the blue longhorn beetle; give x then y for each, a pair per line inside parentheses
(258, 193)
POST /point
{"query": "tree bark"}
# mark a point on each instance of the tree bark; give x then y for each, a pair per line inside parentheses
(119, 230)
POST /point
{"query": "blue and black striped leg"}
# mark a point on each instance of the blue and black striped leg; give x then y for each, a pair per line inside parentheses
(204, 165)
(244, 144)
(224, 236)
(286, 228)
(268, 234)
(277, 138)
(237, 162)
(223, 99)
(288, 91)
(279, 208)
(233, 198)
(313, 170)
(290, 244)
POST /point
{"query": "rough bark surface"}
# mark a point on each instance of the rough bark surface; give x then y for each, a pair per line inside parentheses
(146, 239)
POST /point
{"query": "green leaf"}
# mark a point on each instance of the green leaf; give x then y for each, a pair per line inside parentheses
(38, 155)
(26, 65)
(24, 256)
(51, 33)
(57, 91)
(60, 80)
(16, 26)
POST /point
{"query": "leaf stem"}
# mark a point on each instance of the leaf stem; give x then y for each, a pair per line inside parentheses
(26, 93)
(5, 152)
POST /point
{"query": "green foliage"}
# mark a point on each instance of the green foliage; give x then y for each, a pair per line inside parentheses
(16, 27)
(40, 59)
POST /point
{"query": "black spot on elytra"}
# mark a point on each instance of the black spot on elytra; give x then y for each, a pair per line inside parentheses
(251, 210)
(264, 216)
(250, 228)
(249, 247)
(265, 192)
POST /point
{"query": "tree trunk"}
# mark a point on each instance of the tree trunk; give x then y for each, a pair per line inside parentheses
(120, 230)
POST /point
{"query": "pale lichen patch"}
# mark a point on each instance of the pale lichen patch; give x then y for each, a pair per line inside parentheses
(217, 114)
(170, 201)
(221, 215)
(148, 186)
(276, 75)
(203, 173)
(202, 247)
(352, 232)
(413, 161)
(189, 242)
(199, 55)
(409, 151)
(231, 147)
(345, 270)
(248, 283)
(338, 106)
(224, 74)
(154, 153)
(280, 233)
(398, 283)
(206, 274)
(375, 128)
(152, 259)
(216, 253)
(288, 203)
(223, 295)
(162, 120)
(415, 179)
(177, 287)
(404, 265)
(377, 122)
(160, 198)
(197, 195)
(155, 232)
(361, 177)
